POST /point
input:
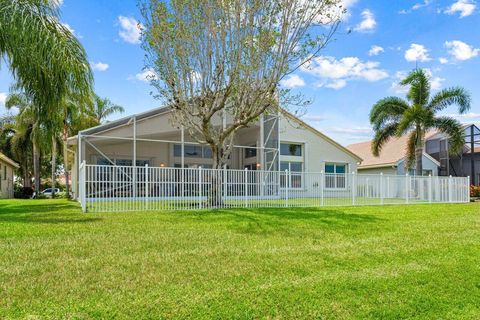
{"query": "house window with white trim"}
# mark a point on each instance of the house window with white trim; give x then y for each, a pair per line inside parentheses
(296, 173)
(291, 149)
(335, 175)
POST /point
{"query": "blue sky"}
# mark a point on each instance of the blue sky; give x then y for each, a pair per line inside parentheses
(386, 40)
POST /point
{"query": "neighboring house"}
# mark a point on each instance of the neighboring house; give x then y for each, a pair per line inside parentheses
(391, 159)
(462, 164)
(7, 168)
(275, 143)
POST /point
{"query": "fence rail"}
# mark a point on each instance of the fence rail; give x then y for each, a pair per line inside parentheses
(105, 188)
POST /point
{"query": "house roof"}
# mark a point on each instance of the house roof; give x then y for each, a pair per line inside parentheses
(392, 152)
(9, 161)
(161, 110)
(322, 135)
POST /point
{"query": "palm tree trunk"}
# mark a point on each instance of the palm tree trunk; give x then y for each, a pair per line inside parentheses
(418, 161)
(36, 167)
(27, 183)
(65, 166)
(54, 164)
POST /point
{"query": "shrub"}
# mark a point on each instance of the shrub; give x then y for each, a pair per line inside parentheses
(475, 191)
(23, 192)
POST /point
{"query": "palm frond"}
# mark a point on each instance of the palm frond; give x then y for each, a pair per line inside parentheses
(451, 96)
(387, 110)
(46, 60)
(382, 136)
(454, 130)
(419, 91)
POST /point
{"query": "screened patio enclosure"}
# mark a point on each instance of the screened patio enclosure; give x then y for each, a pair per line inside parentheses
(150, 139)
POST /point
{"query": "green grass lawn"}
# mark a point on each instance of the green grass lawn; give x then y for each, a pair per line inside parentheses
(409, 261)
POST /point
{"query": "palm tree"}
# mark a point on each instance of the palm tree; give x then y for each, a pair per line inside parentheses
(29, 127)
(395, 117)
(45, 58)
(15, 142)
(103, 108)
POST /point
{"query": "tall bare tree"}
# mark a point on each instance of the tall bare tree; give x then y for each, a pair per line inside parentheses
(212, 58)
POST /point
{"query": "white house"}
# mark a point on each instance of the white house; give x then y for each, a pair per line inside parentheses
(7, 168)
(274, 143)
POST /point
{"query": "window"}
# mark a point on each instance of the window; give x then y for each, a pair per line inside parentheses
(192, 151)
(296, 173)
(250, 152)
(4, 172)
(290, 149)
(335, 175)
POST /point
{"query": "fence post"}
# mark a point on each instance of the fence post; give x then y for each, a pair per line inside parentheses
(450, 196)
(224, 182)
(246, 186)
(430, 188)
(382, 196)
(407, 188)
(146, 186)
(354, 188)
(286, 187)
(468, 189)
(199, 187)
(83, 186)
(322, 187)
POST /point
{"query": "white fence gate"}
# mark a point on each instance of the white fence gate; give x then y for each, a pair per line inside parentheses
(106, 188)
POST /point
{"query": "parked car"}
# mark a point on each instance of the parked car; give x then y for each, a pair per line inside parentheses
(47, 192)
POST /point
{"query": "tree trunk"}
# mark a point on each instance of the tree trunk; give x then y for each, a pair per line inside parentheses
(65, 161)
(27, 182)
(36, 168)
(54, 164)
(418, 161)
(215, 198)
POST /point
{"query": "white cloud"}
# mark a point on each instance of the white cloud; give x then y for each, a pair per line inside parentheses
(435, 82)
(292, 81)
(466, 116)
(99, 66)
(460, 50)
(130, 29)
(368, 23)
(3, 99)
(443, 60)
(375, 50)
(417, 52)
(145, 76)
(347, 4)
(416, 6)
(336, 84)
(464, 7)
(335, 73)
(396, 87)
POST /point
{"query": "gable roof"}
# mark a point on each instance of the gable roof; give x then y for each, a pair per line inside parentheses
(392, 152)
(9, 161)
(321, 135)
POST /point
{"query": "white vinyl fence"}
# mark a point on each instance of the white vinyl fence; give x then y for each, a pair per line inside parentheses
(106, 188)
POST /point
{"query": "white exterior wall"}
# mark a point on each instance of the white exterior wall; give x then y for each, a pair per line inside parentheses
(6, 182)
(317, 150)
(385, 170)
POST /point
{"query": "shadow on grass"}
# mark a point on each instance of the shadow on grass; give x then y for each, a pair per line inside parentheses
(286, 220)
(33, 211)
